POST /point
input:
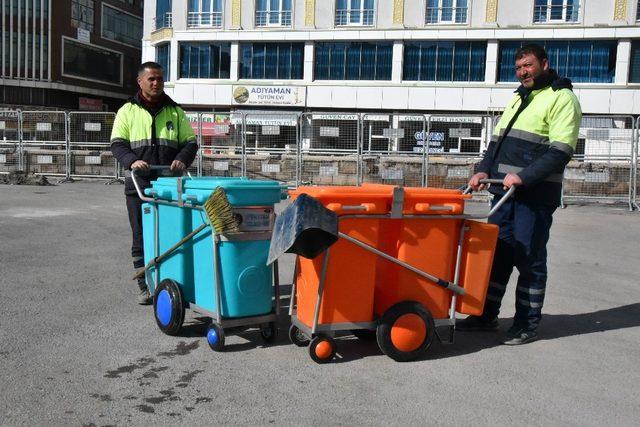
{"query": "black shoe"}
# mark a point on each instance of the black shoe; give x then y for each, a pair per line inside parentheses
(144, 297)
(517, 336)
(477, 323)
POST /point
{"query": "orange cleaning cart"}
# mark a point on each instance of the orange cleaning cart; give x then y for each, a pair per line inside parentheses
(407, 259)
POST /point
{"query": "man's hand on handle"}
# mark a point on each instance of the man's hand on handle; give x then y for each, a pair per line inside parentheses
(177, 166)
(140, 164)
(510, 180)
(474, 182)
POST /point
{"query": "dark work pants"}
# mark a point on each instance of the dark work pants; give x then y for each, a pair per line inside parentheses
(522, 243)
(134, 209)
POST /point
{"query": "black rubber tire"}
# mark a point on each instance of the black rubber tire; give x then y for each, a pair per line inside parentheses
(176, 320)
(317, 340)
(219, 332)
(297, 337)
(364, 334)
(269, 333)
(383, 332)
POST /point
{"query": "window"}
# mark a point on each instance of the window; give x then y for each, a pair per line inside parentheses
(556, 11)
(205, 13)
(271, 61)
(91, 62)
(583, 61)
(446, 12)
(205, 60)
(638, 11)
(353, 61)
(122, 27)
(354, 12)
(163, 14)
(82, 14)
(634, 69)
(163, 56)
(448, 61)
(273, 13)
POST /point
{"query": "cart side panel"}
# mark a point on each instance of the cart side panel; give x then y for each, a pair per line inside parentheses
(349, 286)
(477, 258)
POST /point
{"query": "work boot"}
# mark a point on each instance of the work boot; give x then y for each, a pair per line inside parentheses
(477, 323)
(517, 335)
(144, 297)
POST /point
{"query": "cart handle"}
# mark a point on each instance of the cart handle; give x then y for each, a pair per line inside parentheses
(500, 202)
(134, 176)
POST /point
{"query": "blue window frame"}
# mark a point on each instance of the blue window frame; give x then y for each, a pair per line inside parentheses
(449, 61)
(634, 67)
(355, 12)
(163, 14)
(204, 13)
(275, 13)
(555, 11)
(446, 12)
(284, 61)
(583, 61)
(163, 55)
(205, 60)
(353, 61)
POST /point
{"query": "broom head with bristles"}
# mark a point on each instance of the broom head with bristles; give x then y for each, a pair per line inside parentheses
(220, 213)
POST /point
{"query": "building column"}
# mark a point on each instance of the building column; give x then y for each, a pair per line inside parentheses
(491, 70)
(308, 62)
(623, 57)
(235, 54)
(174, 59)
(396, 68)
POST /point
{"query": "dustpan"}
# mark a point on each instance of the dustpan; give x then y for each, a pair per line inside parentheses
(305, 228)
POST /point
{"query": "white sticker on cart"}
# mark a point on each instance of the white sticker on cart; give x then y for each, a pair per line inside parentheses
(92, 160)
(44, 160)
(328, 171)
(92, 127)
(270, 168)
(43, 127)
(2, 125)
(254, 219)
(3, 158)
(391, 174)
(220, 166)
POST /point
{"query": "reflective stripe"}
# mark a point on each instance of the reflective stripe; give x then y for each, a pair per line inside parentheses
(504, 168)
(119, 140)
(562, 146)
(137, 258)
(529, 303)
(494, 299)
(496, 285)
(527, 136)
(160, 141)
(530, 291)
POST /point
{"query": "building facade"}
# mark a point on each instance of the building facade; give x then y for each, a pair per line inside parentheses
(70, 54)
(395, 55)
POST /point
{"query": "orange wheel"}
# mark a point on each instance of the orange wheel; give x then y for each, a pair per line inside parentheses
(405, 331)
(322, 349)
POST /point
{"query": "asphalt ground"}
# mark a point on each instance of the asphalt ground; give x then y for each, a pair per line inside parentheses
(75, 349)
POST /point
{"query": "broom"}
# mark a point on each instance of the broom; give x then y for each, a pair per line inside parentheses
(220, 217)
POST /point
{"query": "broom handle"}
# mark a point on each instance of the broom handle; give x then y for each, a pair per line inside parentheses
(159, 258)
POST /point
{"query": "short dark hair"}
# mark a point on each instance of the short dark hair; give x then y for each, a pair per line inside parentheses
(532, 49)
(149, 65)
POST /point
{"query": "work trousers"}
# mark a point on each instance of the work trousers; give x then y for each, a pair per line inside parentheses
(134, 209)
(522, 243)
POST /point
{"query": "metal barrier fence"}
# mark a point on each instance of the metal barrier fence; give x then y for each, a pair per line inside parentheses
(324, 148)
(603, 165)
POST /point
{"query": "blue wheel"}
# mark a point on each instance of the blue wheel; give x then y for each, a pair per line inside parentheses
(168, 307)
(215, 337)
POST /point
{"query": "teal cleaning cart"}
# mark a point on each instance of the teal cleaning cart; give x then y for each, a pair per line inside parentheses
(221, 276)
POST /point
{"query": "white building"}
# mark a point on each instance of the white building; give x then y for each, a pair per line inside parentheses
(393, 55)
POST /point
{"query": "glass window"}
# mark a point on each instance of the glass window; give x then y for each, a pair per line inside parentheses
(91, 62)
(163, 56)
(556, 11)
(283, 61)
(638, 11)
(205, 60)
(163, 14)
(458, 61)
(354, 12)
(353, 61)
(446, 12)
(120, 26)
(82, 14)
(583, 61)
(273, 13)
(205, 13)
(634, 68)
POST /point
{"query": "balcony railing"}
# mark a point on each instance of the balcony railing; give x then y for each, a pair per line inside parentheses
(265, 18)
(363, 17)
(449, 15)
(204, 19)
(164, 21)
(556, 13)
